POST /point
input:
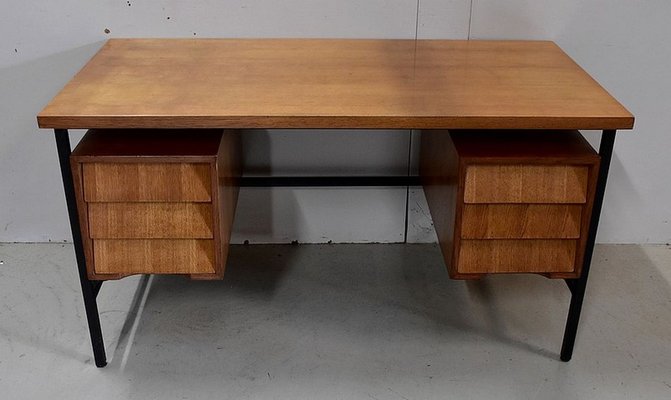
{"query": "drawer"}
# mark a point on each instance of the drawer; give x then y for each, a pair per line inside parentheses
(157, 256)
(147, 182)
(521, 221)
(526, 184)
(150, 220)
(507, 256)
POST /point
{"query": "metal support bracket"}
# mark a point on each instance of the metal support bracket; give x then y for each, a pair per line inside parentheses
(90, 288)
(329, 181)
(577, 286)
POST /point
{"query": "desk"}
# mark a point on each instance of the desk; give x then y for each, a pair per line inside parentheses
(305, 83)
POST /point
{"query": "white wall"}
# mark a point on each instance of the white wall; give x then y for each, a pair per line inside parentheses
(621, 43)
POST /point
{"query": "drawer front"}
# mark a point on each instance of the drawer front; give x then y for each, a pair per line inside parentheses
(153, 256)
(521, 221)
(150, 220)
(147, 182)
(508, 256)
(526, 184)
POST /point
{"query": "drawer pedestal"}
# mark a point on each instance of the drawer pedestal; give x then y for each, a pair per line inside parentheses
(509, 201)
(156, 202)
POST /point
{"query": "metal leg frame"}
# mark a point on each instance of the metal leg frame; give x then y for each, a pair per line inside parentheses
(577, 286)
(90, 289)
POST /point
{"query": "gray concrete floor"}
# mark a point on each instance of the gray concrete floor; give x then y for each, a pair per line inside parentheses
(336, 322)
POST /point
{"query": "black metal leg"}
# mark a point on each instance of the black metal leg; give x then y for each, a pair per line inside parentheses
(577, 286)
(89, 288)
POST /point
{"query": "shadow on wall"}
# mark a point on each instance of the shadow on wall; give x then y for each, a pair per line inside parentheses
(346, 214)
(254, 220)
(621, 192)
(28, 161)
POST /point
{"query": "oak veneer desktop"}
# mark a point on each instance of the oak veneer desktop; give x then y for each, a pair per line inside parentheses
(433, 85)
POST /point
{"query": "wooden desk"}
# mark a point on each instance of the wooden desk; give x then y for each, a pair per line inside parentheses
(403, 84)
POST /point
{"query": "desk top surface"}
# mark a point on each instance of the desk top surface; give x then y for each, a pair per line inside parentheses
(318, 83)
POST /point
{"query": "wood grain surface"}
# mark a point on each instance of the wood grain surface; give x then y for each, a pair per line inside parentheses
(320, 83)
(150, 220)
(151, 182)
(526, 184)
(516, 256)
(225, 180)
(153, 256)
(521, 221)
(439, 171)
